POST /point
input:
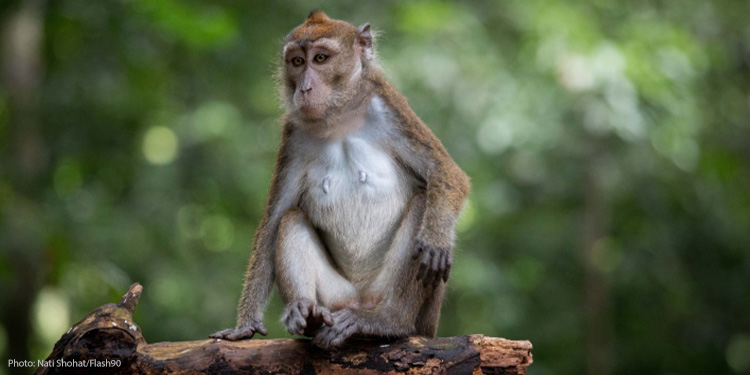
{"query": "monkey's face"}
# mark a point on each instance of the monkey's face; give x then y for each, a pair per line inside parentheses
(315, 70)
(320, 64)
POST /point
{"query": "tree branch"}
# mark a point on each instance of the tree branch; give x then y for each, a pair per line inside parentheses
(107, 340)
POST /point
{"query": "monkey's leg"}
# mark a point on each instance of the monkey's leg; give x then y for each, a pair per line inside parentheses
(429, 315)
(402, 305)
(307, 279)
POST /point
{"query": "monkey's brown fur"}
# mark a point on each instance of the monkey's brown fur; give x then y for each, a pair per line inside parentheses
(399, 287)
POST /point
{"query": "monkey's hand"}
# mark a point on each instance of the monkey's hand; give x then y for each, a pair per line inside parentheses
(305, 317)
(345, 324)
(434, 262)
(246, 331)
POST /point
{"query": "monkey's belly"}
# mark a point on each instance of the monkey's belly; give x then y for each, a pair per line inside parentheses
(355, 196)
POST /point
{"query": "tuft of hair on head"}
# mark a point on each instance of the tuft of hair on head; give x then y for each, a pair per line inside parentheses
(317, 16)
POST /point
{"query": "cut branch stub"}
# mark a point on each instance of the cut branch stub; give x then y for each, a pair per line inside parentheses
(130, 300)
(107, 333)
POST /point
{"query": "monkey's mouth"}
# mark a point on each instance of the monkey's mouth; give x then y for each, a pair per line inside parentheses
(313, 109)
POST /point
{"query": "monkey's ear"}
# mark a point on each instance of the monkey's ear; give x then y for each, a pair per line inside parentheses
(364, 42)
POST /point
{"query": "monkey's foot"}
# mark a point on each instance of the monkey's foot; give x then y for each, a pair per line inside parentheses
(434, 264)
(345, 324)
(305, 317)
(247, 331)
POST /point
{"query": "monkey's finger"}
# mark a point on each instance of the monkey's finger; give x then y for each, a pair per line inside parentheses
(300, 321)
(433, 271)
(294, 328)
(417, 252)
(295, 318)
(304, 309)
(438, 271)
(435, 280)
(323, 313)
(447, 270)
(261, 329)
(287, 317)
(327, 318)
(299, 331)
(317, 311)
(442, 268)
(423, 265)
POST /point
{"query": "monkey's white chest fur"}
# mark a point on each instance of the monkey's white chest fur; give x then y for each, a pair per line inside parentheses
(355, 194)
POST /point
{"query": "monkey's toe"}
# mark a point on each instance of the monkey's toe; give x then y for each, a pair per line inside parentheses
(221, 334)
(245, 332)
(345, 324)
(305, 317)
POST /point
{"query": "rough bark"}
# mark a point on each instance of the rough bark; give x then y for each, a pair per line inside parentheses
(108, 341)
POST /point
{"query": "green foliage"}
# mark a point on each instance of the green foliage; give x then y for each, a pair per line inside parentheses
(607, 144)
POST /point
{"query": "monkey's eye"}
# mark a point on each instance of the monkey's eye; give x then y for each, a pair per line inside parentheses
(297, 61)
(321, 58)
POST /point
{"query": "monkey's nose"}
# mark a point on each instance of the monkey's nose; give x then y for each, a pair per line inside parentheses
(305, 90)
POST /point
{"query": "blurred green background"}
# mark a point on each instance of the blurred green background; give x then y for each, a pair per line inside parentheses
(608, 144)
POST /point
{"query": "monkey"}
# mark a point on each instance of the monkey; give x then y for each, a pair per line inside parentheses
(359, 225)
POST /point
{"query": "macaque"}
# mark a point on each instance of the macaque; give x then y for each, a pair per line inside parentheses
(359, 225)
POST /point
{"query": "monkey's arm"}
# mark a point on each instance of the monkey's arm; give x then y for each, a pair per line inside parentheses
(446, 188)
(259, 276)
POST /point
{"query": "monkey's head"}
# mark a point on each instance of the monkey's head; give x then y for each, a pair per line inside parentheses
(322, 61)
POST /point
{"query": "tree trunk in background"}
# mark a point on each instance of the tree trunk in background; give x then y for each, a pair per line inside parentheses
(22, 32)
(597, 305)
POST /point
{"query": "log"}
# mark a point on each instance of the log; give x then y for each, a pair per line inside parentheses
(108, 341)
